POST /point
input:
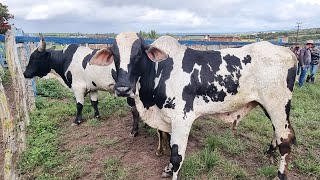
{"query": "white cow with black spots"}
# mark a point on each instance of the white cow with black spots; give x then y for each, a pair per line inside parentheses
(71, 64)
(173, 85)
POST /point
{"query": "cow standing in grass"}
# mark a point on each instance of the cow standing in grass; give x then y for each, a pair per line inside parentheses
(173, 85)
(72, 65)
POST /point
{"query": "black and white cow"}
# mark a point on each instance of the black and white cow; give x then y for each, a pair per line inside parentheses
(173, 85)
(73, 67)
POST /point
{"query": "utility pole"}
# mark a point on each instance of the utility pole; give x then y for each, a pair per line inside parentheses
(298, 26)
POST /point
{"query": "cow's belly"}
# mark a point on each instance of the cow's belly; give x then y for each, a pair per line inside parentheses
(231, 103)
(99, 78)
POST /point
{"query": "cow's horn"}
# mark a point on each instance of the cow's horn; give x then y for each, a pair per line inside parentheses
(42, 46)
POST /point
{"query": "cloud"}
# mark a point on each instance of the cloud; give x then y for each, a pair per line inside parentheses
(100, 16)
(38, 12)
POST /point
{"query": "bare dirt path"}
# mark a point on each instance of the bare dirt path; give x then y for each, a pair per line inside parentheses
(90, 146)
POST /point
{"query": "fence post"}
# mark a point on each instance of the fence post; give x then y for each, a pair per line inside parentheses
(24, 53)
(18, 82)
(9, 138)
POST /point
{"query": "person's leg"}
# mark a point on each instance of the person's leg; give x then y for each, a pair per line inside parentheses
(310, 74)
(303, 75)
(313, 72)
(299, 69)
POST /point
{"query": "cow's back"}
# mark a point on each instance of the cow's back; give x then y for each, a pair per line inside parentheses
(89, 76)
(226, 80)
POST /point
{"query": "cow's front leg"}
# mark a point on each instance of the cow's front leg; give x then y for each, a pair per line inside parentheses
(164, 143)
(94, 103)
(79, 94)
(179, 139)
(135, 116)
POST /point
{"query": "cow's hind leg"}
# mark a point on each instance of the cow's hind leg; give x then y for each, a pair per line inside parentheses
(164, 143)
(136, 117)
(94, 103)
(284, 134)
(179, 139)
(273, 145)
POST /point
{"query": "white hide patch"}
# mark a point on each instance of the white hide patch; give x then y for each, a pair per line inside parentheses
(83, 78)
(124, 43)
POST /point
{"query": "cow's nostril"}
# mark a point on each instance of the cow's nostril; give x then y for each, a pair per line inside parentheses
(123, 90)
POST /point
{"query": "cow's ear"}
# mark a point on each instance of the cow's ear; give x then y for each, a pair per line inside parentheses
(103, 57)
(155, 54)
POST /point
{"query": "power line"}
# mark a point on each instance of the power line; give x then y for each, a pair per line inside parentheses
(298, 26)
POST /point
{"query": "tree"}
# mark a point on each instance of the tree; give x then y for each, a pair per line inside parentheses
(143, 34)
(152, 34)
(4, 17)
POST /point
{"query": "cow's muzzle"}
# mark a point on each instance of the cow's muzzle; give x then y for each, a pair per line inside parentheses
(124, 91)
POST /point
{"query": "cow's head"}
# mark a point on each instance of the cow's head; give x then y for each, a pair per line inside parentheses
(133, 57)
(39, 61)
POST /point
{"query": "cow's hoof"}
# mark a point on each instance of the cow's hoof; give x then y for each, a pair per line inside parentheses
(166, 174)
(134, 134)
(159, 153)
(76, 122)
(164, 152)
(97, 116)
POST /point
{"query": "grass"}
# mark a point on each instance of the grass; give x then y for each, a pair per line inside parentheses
(212, 163)
(54, 104)
(113, 169)
(107, 142)
(268, 171)
(42, 153)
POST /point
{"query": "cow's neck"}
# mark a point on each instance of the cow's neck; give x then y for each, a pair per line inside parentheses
(56, 61)
(151, 93)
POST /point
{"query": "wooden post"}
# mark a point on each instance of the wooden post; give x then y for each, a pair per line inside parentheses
(9, 138)
(24, 56)
(19, 88)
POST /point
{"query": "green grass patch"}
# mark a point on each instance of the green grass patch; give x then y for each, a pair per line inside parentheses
(107, 142)
(51, 88)
(113, 169)
(211, 162)
(54, 104)
(94, 122)
(226, 142)
(268, 171)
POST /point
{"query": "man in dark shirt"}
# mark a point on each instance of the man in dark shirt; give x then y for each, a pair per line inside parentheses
(314, 64)
(304, 60)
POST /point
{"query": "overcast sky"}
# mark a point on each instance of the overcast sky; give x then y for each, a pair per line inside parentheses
(173, 16)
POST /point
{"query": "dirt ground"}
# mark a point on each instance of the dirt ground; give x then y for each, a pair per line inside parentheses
(137, 154)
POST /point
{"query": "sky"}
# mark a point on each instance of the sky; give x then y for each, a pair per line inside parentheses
(163, 16)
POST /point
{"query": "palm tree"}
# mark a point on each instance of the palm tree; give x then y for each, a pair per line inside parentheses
(152, 34)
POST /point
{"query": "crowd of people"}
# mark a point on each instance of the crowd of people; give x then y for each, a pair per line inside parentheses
(308, 57)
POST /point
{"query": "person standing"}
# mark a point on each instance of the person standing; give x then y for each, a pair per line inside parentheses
(296, 51)
(314, 64)
(304, 60)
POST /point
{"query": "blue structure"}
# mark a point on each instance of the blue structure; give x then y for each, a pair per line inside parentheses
(3, 56)
(63, 40)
